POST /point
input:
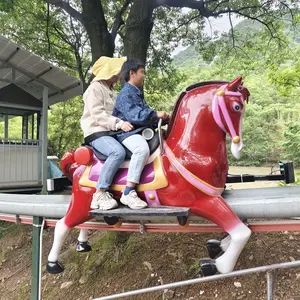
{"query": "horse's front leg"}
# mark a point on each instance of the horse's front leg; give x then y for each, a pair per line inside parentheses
(216, 248)
(219, 212)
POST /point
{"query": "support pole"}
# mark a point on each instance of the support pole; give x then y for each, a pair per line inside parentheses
(38, 125)
(36, 249)
(44, 139)
(270, 284)
(6, 126)
(25, 127)
(32, 126)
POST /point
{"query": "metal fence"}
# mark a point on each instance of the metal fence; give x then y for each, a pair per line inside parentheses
(19, 162)
(270, 270)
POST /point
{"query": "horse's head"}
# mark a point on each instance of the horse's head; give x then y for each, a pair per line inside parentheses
(228, 110)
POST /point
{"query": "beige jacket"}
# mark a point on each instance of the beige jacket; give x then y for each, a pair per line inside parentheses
(99, 101)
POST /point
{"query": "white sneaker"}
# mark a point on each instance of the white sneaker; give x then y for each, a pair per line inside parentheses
(103, 200)
(133, 201)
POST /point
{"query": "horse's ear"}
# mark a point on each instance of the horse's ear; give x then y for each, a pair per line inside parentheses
(233, 85)
(246, 94)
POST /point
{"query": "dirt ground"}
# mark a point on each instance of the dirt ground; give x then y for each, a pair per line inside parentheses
(123, 262)
(146, 260)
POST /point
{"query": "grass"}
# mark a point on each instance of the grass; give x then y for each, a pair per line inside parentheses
(110, 252)
(24, 291)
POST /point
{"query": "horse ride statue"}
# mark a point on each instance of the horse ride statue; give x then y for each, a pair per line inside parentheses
(189, 169)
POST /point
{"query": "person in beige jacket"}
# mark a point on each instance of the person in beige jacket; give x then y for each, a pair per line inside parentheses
(100, 127)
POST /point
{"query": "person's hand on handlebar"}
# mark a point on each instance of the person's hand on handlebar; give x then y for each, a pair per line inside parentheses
(162, 115)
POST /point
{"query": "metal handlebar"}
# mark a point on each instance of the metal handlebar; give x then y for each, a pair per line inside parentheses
(161, 146)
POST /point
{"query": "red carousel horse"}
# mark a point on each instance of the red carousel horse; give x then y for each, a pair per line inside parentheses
(191, 171)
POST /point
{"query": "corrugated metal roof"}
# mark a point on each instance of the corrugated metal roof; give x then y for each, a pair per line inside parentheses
(32, 73)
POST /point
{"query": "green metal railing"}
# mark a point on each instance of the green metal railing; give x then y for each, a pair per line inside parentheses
(38, 224)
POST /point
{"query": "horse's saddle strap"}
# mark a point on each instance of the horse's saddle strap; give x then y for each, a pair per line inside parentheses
(96, 135)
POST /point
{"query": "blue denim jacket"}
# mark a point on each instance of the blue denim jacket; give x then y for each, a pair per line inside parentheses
(130, 106)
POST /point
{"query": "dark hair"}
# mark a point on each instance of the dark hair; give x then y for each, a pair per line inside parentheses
(131, 64)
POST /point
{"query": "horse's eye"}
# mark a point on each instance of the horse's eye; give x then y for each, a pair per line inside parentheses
(237, 107)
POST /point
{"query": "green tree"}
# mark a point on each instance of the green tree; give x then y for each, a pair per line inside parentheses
(269, 110)
(137, 28)
(291, 143)
(73, 34)
(64, 126)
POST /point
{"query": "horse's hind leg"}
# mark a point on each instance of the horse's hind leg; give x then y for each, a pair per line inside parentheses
(82, 244)
(77, 213)
(218, 211)
(60, 233)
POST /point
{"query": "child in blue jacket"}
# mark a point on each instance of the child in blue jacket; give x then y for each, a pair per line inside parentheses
(130, 106)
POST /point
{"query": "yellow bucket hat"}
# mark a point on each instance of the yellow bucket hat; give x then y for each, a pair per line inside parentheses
(106, 67)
